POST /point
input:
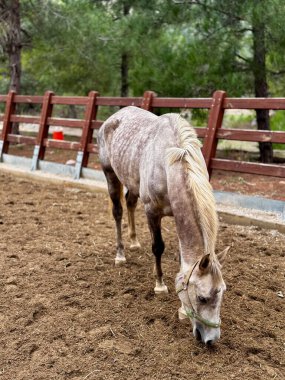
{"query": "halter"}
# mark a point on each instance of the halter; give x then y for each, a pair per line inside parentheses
(191, 312)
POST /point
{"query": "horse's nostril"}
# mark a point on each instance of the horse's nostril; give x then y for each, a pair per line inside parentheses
(198, 335)
(209, 343)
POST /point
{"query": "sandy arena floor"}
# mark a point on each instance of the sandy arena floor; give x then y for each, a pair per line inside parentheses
(66, 312)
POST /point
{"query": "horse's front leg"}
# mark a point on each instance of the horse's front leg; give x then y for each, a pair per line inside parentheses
(131, 201)
(154, 223)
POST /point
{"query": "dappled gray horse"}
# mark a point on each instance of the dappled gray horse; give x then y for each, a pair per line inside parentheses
(159, 160)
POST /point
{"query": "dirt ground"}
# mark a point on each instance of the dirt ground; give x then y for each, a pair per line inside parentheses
(249, 184)
(66, 312)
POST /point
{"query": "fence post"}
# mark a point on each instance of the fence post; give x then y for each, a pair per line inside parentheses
(46, 112)
(7, 124)
(87, 134)
(214, 122)
(147, 100)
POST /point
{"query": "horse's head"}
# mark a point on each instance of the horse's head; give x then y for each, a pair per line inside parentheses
(201, 292)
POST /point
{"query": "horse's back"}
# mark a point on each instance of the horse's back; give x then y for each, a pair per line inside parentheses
(133, 143)
(121, 133)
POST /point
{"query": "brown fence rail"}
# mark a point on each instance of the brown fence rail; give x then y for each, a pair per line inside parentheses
(149, 101)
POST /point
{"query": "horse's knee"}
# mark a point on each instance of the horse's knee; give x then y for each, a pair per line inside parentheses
(158, 248)
(131, 200)
(117, 210)
(115, 193)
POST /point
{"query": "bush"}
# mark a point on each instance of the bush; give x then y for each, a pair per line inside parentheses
(277, 123)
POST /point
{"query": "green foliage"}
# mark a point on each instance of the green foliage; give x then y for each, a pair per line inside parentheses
(67, 57)
(239, 121)
(277, 123)
(176, 48)
(199, 117)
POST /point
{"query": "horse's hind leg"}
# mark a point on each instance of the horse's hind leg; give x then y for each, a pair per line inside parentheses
(115, 191)
(131, 201)
(154, 223)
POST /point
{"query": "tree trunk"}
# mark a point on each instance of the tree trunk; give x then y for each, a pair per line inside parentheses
(11, 43)
(125, 75)
(14, 45)
(125, 60)
(260, 84)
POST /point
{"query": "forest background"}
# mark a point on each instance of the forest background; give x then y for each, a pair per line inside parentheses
(177, 48)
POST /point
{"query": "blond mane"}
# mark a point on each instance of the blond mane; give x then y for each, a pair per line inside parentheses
(189, 152)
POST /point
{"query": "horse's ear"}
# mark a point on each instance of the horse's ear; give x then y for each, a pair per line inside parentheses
(222, 256)
(204, 263)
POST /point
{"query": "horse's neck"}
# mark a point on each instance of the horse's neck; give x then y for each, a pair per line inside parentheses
(190, 237)
(186, 218)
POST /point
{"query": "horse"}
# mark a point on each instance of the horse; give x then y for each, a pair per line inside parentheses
(159, 160)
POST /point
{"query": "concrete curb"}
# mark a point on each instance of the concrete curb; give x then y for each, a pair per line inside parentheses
(38, 175)
(244, 220)
(251, 202)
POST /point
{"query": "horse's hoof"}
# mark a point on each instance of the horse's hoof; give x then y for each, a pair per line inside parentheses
(182, 314)
(120, 261)
(161, 289)
(135, 245)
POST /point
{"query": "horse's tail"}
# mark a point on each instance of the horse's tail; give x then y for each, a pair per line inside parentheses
(104, 138)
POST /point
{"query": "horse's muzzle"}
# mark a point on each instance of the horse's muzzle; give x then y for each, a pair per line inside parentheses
(206, 335)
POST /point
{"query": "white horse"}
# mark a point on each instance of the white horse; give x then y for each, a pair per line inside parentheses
(159, 160)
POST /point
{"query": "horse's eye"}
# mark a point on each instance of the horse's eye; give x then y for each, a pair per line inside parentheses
(202, 300)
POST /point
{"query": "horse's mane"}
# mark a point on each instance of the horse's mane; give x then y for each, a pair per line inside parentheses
(189, 152)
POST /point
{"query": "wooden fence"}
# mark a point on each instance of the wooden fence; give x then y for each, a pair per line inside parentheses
(149, 101)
